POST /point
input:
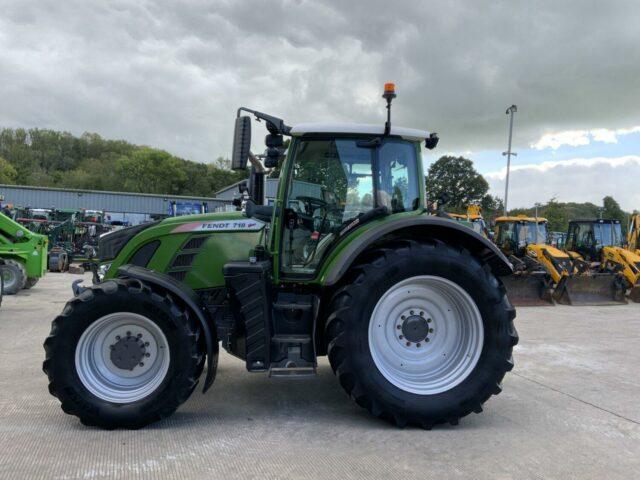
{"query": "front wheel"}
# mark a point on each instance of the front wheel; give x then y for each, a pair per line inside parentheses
(122, 355)
(421, 333)
(14, 276)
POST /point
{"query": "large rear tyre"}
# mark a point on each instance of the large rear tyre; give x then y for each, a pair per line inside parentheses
(122, 355)
(14, 275)
(421, 333)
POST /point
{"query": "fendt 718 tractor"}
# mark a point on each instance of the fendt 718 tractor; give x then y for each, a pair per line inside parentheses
(408, 307)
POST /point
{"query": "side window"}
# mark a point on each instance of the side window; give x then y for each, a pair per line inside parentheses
(331, 183)
(398, 183)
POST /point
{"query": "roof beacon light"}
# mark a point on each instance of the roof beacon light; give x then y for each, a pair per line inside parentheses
(389, 94)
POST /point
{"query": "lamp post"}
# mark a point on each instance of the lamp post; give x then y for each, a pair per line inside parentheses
(510, 111)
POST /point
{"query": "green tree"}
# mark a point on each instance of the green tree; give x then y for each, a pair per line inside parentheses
(458, 180)
(611, 209)
(8, 174)
(556, 214)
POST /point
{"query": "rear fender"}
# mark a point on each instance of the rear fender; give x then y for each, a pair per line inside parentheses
(191, 300)
(422, 227)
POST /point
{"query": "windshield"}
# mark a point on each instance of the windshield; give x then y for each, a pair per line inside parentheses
(594, 235)
(527, 232)
(608, 234)
(333, 181)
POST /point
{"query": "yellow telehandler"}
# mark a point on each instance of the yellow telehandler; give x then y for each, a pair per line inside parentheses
(474, 217)
(599, 241)
(543, 273)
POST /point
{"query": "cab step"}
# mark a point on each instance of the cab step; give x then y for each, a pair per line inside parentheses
(292, 372)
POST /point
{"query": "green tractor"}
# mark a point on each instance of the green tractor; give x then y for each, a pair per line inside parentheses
(408, 307)
(24, 254)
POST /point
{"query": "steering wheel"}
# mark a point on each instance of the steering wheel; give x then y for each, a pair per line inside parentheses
(312, 203)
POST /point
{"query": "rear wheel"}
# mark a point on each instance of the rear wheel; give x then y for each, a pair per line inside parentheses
(14, 276)
(122, 355)
(422, 333)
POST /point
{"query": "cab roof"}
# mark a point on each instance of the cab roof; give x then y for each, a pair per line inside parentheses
(521, 218)
(357, 128)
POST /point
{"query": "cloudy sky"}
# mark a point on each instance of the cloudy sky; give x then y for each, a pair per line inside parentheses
(171, 74)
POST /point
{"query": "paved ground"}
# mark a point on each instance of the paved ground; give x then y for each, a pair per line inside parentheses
(570, 409)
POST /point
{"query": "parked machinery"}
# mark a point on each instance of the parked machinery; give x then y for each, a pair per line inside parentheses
(475, 219)
(600, 242)
(24, 254)
(543, 273)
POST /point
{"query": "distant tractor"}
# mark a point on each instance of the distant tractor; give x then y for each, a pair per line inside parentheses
(409, 308)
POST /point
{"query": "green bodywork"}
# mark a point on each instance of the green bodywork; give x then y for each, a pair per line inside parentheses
(19, 243)
(220, 247)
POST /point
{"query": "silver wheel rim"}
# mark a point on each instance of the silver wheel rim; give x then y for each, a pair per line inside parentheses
(122, 357)
(426, 335)
(9, 278)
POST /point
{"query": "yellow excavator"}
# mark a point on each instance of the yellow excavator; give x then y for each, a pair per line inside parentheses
(633, 236)
(543, 273)
(599, 241)
(474, 218)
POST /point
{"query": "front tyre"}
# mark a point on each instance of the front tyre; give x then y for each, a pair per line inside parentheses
(421, 333)
(122, 355)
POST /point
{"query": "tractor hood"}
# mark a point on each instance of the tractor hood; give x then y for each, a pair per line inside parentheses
(189, 248)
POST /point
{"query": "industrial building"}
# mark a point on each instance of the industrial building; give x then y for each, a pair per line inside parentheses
(131, 207)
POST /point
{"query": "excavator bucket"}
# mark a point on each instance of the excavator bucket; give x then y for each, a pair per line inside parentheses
(529, 289)
(596, 289)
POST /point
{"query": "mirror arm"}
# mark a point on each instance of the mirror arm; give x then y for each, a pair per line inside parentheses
(273, 123)
(256, 163)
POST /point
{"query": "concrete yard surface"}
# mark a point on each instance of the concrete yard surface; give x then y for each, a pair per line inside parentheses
(570, 409)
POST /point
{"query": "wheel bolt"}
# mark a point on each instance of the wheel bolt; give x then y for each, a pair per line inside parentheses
(117, 337)
(418, 345)
(428, 320)
(146, 344)
(431, 330)
(399, 327)
(141, 364)
(422, 314)
(401, 337)
(402, 317)
(147, 354)
(427, 340)
(128, 334)
(139, 335)
(411, 312)
(408, 344)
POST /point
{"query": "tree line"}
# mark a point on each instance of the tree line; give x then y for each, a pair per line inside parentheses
(49, 158)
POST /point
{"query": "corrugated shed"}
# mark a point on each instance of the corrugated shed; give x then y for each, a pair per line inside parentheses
(41, 197)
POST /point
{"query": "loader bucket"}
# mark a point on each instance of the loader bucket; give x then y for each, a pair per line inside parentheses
(599, 289)
(528, 289)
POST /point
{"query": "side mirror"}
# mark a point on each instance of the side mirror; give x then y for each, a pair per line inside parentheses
(241, 143)
(432, 141)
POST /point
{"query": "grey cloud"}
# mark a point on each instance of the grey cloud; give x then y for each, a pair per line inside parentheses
(172, 74)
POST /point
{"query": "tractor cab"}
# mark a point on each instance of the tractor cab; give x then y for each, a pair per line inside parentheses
(589, 237)
(513, 234)
(335, 177)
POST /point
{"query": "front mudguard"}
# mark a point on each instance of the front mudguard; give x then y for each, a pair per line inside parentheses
(191, 300)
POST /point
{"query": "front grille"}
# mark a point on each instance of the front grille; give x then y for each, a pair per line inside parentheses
(195, 242)
(178, 275)
(183, 260)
